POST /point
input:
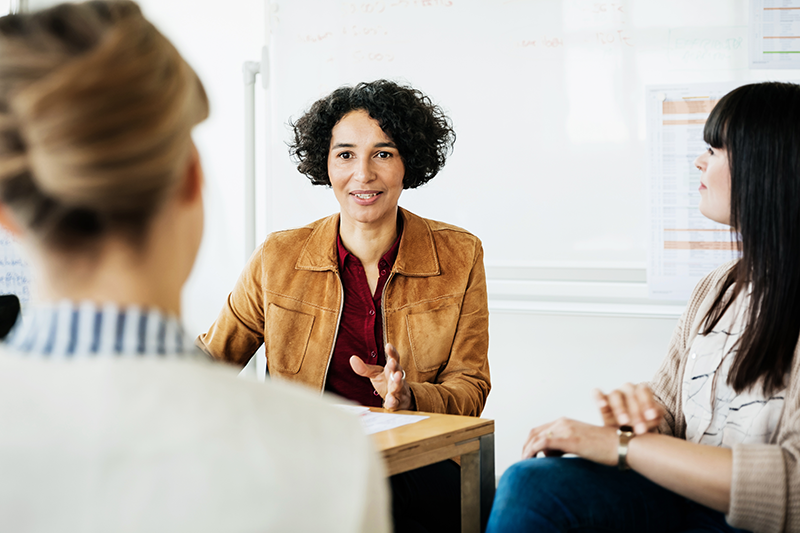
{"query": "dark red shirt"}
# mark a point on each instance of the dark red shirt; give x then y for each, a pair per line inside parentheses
(360, 327)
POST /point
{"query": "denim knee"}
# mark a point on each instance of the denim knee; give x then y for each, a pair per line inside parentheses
(527, 495)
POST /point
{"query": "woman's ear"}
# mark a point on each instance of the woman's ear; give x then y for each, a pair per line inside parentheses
(192, 185)
(9, 222)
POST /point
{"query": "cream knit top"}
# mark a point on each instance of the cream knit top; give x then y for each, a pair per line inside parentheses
(765, 488)
(715, 413)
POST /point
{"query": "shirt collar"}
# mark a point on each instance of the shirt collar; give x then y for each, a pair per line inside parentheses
(416, 255)
(69, 329)
(388, 258)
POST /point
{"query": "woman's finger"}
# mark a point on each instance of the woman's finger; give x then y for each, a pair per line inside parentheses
(635, 411)
(538, 439)
(606, 412)
(390, 402)
(363, 369)
(617, 401)
(652, 411)
(533, 447)
(391, 353)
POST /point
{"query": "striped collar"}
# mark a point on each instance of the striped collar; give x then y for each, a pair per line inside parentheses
(70, 329)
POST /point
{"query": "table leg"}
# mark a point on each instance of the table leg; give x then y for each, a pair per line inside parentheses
(477, 486)
(470, 492)
(488, 482)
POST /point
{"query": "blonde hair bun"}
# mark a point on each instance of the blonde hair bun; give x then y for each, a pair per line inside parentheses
(96, 109)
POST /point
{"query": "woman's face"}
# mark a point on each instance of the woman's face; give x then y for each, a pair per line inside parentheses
(715, 185)
(365, 170)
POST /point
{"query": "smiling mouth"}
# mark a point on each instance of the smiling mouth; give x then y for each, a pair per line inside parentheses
(366, 196)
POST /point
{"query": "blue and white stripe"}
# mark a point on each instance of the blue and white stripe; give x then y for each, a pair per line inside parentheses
(68, 329)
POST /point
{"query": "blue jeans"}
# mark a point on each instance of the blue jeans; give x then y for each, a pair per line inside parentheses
(553, 494)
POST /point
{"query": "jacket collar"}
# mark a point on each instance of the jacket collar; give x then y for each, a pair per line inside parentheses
(416, 257)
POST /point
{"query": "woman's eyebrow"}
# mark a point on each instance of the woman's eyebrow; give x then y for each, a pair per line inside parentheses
(376, 145)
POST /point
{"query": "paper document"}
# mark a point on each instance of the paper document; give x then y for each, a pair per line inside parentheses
(684, 245)
(774, 33)
(377, 422)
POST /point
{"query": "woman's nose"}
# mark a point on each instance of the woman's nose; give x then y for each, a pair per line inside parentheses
(700, 162)
(364, 170)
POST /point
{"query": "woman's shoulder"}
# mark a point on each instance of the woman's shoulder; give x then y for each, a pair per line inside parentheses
(702, 298)
(296, 237)
(439, 228)
(708, 286)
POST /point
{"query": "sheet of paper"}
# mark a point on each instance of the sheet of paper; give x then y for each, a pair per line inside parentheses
(774, 33)
(684, 245)
(377, 422)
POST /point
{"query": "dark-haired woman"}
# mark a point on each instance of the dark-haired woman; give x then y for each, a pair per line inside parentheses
(713, 442)
(374, 303)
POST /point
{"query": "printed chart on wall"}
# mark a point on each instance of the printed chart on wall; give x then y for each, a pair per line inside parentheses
(684, 245)
(14, 271)
(775, 33)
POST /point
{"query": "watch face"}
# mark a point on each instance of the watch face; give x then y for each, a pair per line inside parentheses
(625, 429)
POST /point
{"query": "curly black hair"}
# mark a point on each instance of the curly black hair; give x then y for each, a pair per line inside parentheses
(422, 132)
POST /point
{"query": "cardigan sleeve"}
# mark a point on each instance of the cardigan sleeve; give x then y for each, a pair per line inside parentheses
(765, 489)
(666, 384)
(237, 332)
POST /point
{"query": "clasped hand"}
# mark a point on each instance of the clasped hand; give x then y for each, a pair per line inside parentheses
(388, 380)
(632, 405)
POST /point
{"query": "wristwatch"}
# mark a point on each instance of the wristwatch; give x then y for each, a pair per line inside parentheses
(625, 435)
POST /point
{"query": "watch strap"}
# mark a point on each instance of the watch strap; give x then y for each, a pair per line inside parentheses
(625, 434)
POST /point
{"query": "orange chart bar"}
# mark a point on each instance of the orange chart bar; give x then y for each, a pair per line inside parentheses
(695, 245)
(687, 107)
(685, 122)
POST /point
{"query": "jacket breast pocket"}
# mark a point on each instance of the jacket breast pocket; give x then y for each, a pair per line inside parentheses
(431, 336)
(288, 333)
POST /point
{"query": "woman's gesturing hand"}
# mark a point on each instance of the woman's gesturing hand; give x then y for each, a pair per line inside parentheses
(630, 405)
(388, 380)
(596, 443)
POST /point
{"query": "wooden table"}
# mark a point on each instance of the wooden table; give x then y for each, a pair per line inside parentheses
(441, 437)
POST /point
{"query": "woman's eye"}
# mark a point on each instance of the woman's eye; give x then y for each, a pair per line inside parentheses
(710, 151)
(345, 155)
(384, 155)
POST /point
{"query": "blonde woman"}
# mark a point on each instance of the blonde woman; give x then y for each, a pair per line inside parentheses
(111, 419)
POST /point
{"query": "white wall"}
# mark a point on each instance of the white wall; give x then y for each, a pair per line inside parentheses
(543, 365)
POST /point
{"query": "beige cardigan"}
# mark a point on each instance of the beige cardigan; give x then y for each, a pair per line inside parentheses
(765, 491)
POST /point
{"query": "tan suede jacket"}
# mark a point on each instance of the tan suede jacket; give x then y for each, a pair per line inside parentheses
(435, 311)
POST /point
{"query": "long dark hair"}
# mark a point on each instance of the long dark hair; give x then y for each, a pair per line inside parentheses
(759, 126)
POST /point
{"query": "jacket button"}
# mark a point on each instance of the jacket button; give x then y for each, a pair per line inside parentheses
(383, 272)
(375, 393)
(371, 312)
(372, 353)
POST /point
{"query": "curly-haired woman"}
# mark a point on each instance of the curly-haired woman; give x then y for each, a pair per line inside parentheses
(374, 303)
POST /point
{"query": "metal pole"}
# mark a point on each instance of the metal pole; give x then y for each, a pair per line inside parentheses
(249, 70)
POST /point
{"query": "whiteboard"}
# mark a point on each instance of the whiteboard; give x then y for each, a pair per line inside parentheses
(547, 98)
